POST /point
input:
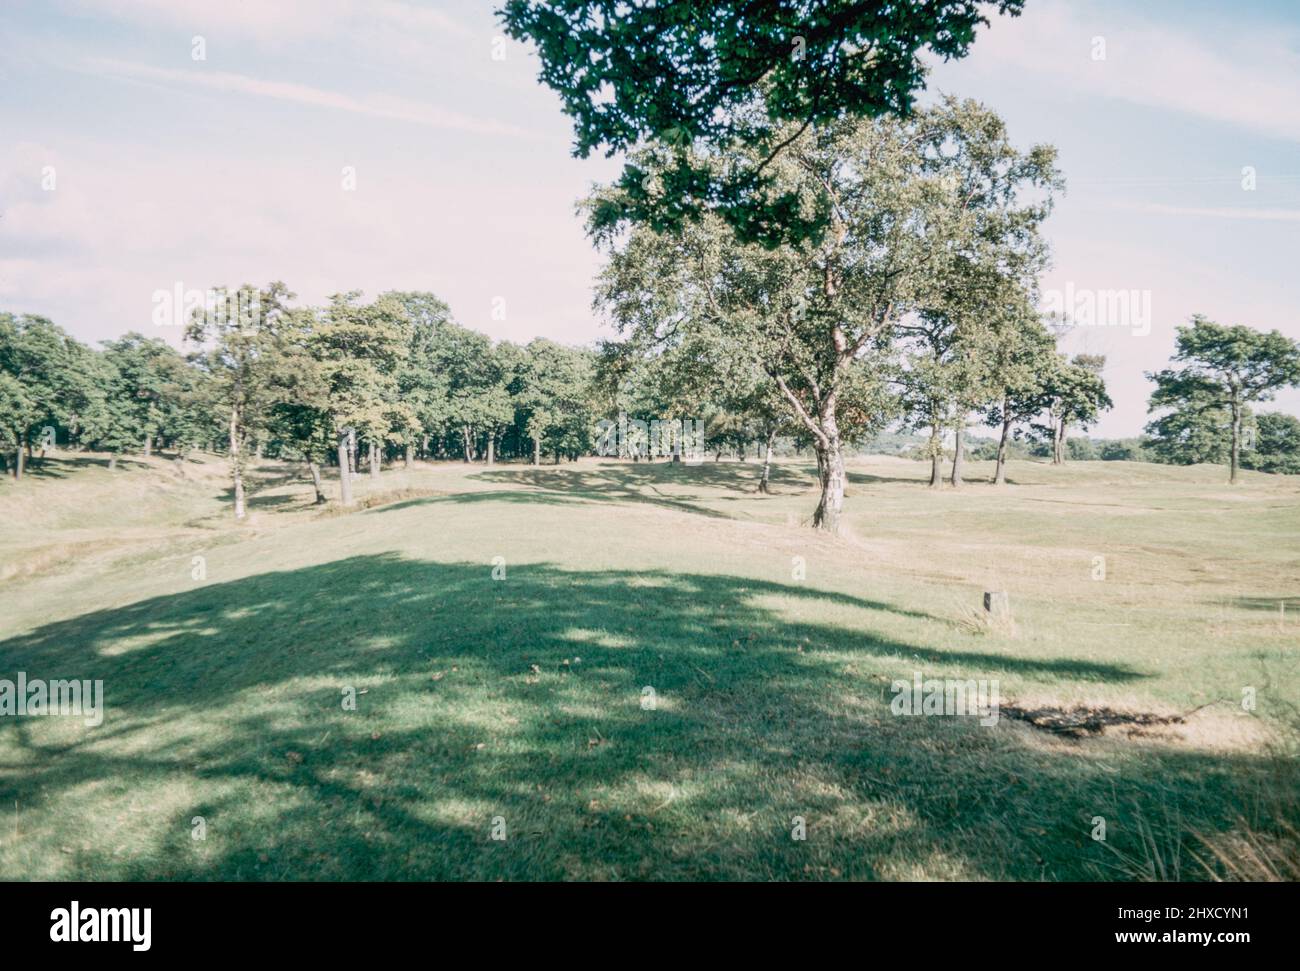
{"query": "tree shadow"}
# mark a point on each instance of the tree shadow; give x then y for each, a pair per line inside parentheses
(523, 699)
(64, 464)
(869, 478)
(630, 482)
(922, 480)
(1281, 604)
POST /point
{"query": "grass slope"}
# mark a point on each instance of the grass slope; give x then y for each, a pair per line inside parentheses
(519, 700)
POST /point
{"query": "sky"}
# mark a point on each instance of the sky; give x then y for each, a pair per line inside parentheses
(376, 144)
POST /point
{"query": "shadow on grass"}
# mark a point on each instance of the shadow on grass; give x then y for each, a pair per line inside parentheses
(65, 464)
(523, 699)
(1282, 604)
(638, 482)
(922, 478)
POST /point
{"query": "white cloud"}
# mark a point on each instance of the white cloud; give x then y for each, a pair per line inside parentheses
(376, 106)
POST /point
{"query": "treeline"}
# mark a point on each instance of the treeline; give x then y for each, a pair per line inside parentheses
(912, 302)
(1273, 439)
(354, 385)
(350, 384)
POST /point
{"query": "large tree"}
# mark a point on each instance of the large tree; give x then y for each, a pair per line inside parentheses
(688, 73)
(238, 333)
(1075, 394)
(1017, 367)
(360, 348)
(959, 347)
(300, 422)
(926, 384)
(46, 382)
(146, 391)
(422, 383)
(555, 398)
(477, 402)
(913, 206)
(1228, 368)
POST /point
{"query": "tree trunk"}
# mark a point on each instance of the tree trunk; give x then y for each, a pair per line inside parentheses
(763, 486)
(936, 455)
(374, 460)
(424, 447)
(830, 469)
(19, 462)
(236, 463)
(345, 473)
(1236, 442)
(352, 451)
(491, 449)
(537, 450)
(410, 456)
(1058, 441)
(112, 462)
(314, 468)
(1000, 473)
(958, 452)
(465, 435)
(148, 445)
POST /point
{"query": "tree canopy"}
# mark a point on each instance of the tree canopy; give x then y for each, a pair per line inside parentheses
(1220, 371)
(691, 74)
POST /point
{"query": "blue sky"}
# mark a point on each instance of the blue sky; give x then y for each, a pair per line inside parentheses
(170, 170)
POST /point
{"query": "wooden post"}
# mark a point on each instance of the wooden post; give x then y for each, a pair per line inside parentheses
(997, 604)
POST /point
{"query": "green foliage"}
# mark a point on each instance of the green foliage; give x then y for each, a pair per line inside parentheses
(422, 383)
(149, 392)
(932, 220)
(555, 397)
(49, 381)
(1123, 450)
(1082, 449)
(733, 77)
(238, 335)
(1276, 446)
(1075, 394)
(1016, 363)
(1228, 362)
(288, 381)
(1198, 429)
(359, 348)
(1222, 370)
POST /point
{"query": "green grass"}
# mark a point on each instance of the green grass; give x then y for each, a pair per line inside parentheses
(521, 697)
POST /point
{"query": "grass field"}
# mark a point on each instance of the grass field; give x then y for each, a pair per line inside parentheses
(515, 703)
